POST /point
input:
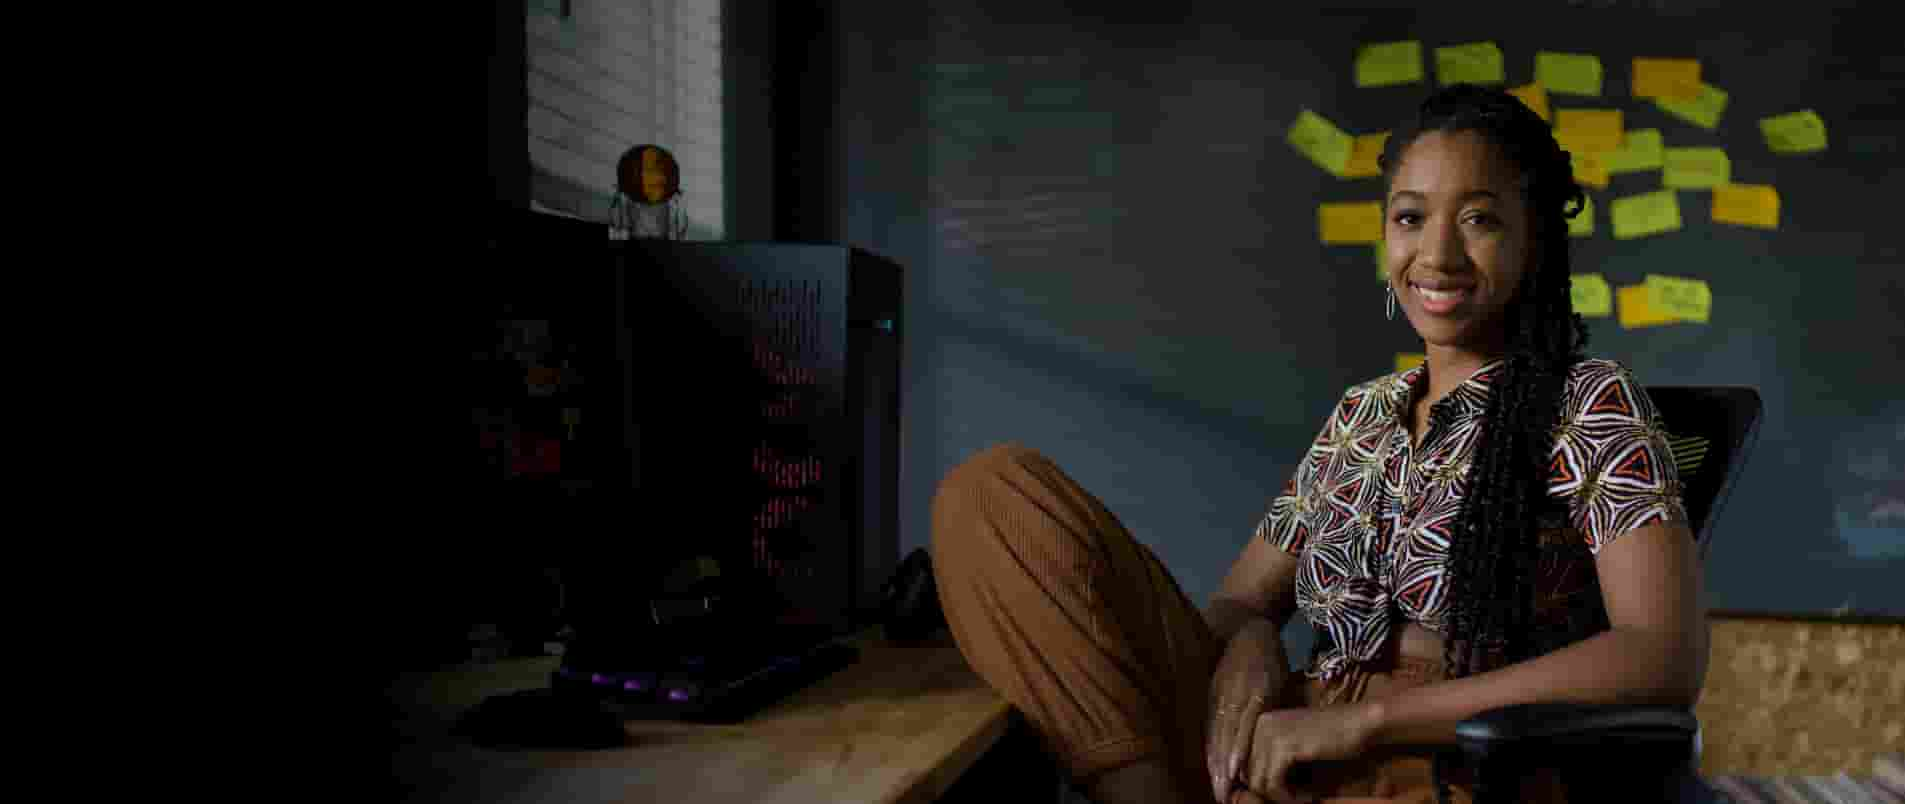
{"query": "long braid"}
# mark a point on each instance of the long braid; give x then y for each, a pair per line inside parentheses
(1493, 553)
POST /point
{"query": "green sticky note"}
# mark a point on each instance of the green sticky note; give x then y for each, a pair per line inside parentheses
(1684, 299)
(1641, 149)
(1389, 64)
(1796, 133)
(1592, 296)
(1568, 73)
(1474, 63)
(1646, 214)
(1695, 168)
(1582, 225)
(1321, 141)
(1703, 111)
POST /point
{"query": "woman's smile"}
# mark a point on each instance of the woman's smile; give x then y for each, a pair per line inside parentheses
(1441, 297)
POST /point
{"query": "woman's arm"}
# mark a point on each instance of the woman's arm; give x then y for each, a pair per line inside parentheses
(1260, 584)
(1655, 651)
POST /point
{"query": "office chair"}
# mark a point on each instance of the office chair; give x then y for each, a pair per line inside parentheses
(1617, 752)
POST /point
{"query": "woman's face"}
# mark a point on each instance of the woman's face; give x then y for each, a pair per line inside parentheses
(1457, 238)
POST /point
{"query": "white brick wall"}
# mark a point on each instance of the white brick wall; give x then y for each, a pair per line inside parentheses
(613, 74)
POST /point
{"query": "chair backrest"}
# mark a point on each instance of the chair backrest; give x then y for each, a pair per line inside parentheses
(1710, 430)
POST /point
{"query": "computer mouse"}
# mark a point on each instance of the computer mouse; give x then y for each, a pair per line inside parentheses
(909, 600)
(542, 719)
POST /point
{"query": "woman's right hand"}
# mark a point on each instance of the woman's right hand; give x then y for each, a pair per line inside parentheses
(1249, 677)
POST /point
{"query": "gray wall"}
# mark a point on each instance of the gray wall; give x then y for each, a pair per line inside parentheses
(1112, 256)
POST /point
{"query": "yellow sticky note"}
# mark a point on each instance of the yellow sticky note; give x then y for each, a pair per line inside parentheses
(1320, 140)
(1354, 222)
(1637, 308)
(1675, 79)
(1746, 205)
(1703, 111)
(1408, 360)
(1362, 156)
(1534, 97)
(1474, 63)
(1590, 168)
(1389, 64)
(1382, 261)
(1582, 224)
(1592, 130)
(1568, 73)
(1591, 295)
(1646, 214)
(1685, 299)
(1695, 168)
(1641, 149)
(1796, 133)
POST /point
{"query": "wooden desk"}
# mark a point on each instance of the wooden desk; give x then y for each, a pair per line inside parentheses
(898, 725)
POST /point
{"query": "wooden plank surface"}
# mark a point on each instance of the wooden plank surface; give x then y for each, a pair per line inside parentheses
(899, 725)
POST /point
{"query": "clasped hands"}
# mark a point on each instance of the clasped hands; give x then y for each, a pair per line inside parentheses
(1254, 745)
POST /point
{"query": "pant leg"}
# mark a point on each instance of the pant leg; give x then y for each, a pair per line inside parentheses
(1069, 617)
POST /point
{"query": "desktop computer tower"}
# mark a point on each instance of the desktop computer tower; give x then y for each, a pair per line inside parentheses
(762, 391)
(684, 470)
(645, 409)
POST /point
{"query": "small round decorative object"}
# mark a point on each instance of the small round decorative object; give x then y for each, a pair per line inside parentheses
(648, 174)
(647, 196)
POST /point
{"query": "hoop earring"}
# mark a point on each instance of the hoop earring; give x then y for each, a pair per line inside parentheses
(1392, 302)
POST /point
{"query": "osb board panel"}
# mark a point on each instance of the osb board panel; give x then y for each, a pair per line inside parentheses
(1801, 698)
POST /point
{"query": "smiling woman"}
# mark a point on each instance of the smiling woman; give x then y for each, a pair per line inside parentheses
(1501, 524)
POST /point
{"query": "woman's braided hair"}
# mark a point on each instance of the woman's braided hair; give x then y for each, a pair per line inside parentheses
(1492, 555)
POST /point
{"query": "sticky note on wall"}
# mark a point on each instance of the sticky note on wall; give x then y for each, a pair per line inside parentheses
(1591, 130)
(1641, 149)
(1408, 360)
(1703, 110)
(1637, 308)
(1591, 295)
(1582, 224)
(1475, 63)
(1674, 79)
(1645, 214)
(1746, 205)
(1534, 97)
(1800, 132)
(1695, 168)
(1589, 168)
(1354, 222)
(1382, 260)
(1389, 64)
(1568, 73)
(1684, 299)
(1317, 138)
(1362, 156)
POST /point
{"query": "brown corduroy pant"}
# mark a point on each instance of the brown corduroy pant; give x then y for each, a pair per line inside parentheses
(1081, 628)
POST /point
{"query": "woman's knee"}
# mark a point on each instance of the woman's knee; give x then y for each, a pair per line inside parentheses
(1000, 457)
(1004, 483)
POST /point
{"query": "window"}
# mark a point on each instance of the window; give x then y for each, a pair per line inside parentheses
(607, 75)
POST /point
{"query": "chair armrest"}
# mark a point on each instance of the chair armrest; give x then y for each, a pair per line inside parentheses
(1605, 752)
(1561, 725)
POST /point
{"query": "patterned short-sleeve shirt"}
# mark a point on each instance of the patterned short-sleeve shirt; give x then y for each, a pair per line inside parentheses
(1371, 514)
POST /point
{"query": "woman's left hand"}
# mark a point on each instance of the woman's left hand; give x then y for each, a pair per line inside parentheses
(1286, 737)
